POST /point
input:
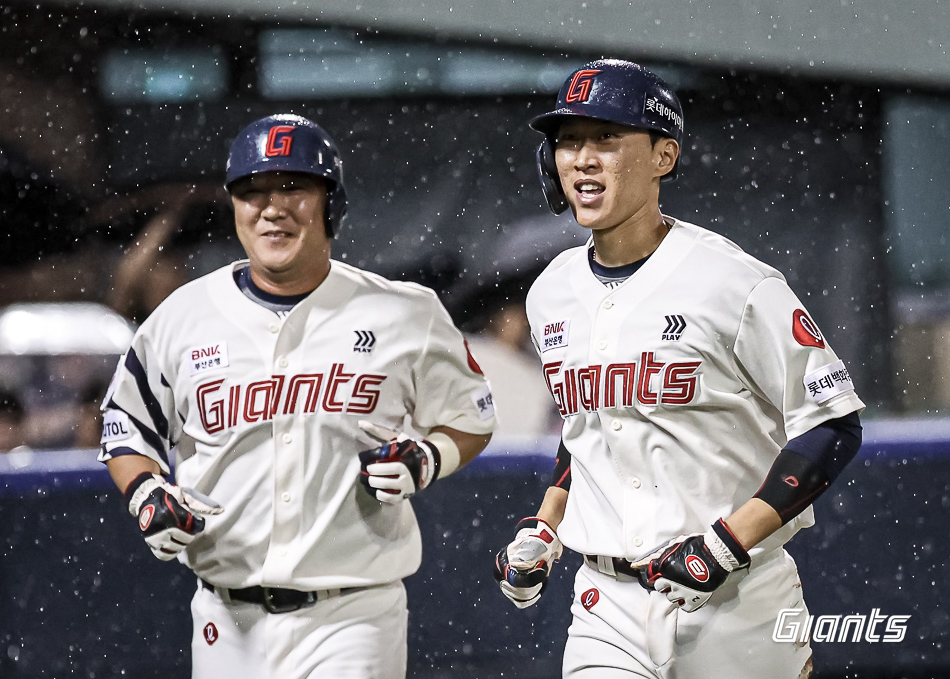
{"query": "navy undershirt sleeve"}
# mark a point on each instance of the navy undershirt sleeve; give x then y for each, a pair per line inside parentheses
(808, 465)
(831, 445)
(561, 477)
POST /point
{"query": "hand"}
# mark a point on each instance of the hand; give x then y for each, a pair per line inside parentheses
(522, 568)
(166, 513)
(688, 569)
(398, 469)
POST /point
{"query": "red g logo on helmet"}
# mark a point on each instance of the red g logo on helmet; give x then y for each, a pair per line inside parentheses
(805, 331)
(697, 568)
(579, 89)
(589, 598)
(283, 149)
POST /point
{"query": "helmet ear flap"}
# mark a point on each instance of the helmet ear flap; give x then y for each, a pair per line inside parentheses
(550, 180)
(335, 210)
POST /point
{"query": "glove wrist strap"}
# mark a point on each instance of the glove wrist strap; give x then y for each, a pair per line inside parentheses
(725, 547)
(140, 488)
(447, 455)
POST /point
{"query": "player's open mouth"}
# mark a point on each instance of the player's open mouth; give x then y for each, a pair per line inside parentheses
(588, 190)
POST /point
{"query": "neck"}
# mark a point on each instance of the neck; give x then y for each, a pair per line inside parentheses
(631, 241)
(286, 283)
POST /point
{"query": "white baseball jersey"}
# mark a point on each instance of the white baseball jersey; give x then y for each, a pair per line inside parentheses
(678, 388)
(261, 411)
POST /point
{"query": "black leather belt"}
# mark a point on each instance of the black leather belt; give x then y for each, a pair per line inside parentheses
(612, 566)
(276, 599)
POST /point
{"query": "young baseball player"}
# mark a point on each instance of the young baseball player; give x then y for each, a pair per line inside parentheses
(703, 410)
(277, 386)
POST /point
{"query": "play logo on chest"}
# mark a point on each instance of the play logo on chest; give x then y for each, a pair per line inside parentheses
(555, 335)
(207, 357)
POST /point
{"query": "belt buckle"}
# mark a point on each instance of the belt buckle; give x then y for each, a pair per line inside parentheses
(271, 606)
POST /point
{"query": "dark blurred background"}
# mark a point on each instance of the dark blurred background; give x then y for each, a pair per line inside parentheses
(817, 138)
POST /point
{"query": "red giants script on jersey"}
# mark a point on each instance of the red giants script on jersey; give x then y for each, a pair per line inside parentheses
(224, 406)
(579, 89)
(285, 141)
(805, 331)
(620, 385)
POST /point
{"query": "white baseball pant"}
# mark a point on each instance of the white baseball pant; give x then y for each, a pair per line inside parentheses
(626, 632)
(355, 635)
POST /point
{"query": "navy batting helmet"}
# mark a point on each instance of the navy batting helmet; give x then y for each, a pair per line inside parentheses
(612, 90)
(290, 143)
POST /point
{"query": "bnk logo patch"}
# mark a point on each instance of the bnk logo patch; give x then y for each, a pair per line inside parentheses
(579, 90)
(555, 335)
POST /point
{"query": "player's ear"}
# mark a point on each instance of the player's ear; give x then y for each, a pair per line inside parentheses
(665, 153)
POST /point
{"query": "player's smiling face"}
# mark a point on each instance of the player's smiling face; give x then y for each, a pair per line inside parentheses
(610, 172)
(279, 220)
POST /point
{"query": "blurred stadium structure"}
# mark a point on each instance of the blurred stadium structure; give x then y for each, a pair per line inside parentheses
(818, 140)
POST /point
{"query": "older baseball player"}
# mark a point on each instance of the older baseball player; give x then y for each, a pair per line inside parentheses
(279, 386)
(703, 410)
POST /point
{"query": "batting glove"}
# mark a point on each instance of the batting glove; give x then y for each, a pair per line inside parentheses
(403, 466)
(688, 569)
(522, 568)
(167, 513)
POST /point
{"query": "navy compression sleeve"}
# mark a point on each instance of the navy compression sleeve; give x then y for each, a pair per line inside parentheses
(808, 464)
(561, 478)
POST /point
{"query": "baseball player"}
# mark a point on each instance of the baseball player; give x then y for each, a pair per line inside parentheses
(703, 410)
(278, 386)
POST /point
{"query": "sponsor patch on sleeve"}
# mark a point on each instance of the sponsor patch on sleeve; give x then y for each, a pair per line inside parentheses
(115, 426)
(482, 399)
(827, 382)
(555, 335)
(207, 357)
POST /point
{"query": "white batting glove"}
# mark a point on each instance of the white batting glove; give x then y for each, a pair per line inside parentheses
(167, 513)
(403, 466)
(522, 568)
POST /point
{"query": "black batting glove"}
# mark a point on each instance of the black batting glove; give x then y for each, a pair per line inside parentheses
(398, 469)
(522, 568)
(167, 513)
(690, 568)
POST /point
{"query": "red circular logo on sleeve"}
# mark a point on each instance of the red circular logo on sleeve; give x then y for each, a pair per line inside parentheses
(589, 598)
(472, 363)
(697, 568)
(211, 633)
(805, 331)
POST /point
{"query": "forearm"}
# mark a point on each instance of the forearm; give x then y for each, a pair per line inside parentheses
(753, 522)
(553, 506)
(125, 468)
(469, 445)
(812, 461)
